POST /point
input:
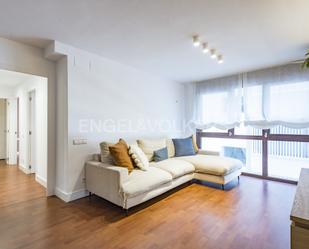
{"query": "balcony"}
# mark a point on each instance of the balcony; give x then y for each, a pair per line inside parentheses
(285, 158)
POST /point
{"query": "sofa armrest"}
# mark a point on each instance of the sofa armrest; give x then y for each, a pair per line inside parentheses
(208, 152)
(106, 180)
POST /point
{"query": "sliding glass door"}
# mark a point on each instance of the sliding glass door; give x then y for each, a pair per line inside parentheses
(287, 154)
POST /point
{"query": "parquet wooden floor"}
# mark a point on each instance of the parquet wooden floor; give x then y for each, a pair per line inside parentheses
(252, 215)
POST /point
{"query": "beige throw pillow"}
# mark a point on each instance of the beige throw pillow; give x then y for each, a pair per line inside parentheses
(106, 156)
(148, 146)
(139, 157)
(194, 143)
(170, 148)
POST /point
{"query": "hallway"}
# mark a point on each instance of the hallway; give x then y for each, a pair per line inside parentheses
(17, 187)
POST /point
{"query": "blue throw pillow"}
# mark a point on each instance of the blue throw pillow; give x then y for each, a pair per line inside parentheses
(183, 146)
(160, 154)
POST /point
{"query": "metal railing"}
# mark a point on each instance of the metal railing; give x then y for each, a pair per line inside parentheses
(284, 148)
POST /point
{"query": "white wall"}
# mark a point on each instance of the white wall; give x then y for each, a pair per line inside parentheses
(6, 92)
(39, 162)
(99, 89)
(62, 124)
(92, 88)
(26, 59)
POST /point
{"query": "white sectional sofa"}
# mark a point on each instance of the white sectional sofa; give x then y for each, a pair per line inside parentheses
(116, 185)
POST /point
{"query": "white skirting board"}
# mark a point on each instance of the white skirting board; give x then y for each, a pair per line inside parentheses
(67, 197)
(41, 180)
(38, 178)
(24, 169)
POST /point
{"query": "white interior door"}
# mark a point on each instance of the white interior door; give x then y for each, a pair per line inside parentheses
(12, 131)
(32, 132)
(2, 129)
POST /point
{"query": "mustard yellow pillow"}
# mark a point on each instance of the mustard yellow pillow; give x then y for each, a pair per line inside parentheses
(120, 154)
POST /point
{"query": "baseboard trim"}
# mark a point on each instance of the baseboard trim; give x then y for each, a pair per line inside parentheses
(24, 169)
(67, 197)
(41, 180)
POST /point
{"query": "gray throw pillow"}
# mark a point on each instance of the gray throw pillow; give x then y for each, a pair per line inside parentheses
(160, 155)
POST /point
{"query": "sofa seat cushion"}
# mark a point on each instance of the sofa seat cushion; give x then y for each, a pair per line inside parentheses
(213, 165)
(175, 167)
(140, 181)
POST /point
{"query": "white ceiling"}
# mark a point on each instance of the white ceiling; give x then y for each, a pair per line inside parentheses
(155, 35)
(12, 79)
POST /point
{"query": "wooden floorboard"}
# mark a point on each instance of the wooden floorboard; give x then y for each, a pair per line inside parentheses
(251, 215)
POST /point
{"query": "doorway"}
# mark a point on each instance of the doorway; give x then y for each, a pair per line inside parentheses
(3, 143)
(11, 131)
(24, 123)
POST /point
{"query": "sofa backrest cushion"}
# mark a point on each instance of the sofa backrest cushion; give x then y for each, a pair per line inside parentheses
(150, 145)
(139, 157)
(184, 146)
(121, 156)
(160, 155)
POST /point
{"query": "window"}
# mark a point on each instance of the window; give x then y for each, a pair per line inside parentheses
(247, 130)
(218, 103)
(280, 129)
(247, 151)
(286, 159)
(256, 118)
(276, 96)
(285, 150)
(215, 130)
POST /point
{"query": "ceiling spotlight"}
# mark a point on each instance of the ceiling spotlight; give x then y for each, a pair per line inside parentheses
(205, 48)
(220, 59)
(213, 54)
(196, 41)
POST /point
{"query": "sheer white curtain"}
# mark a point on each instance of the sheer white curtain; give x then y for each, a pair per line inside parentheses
(277, 96)
(263, 98)
(218, 103)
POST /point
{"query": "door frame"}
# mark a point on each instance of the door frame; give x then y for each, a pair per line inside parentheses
(31, 130)
(43, 68)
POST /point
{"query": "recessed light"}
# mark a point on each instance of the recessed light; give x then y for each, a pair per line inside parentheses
(213, 54)
(196, 41)
(205, 47)
(220, 59)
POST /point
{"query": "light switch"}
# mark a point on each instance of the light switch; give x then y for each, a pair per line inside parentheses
(79, 141)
